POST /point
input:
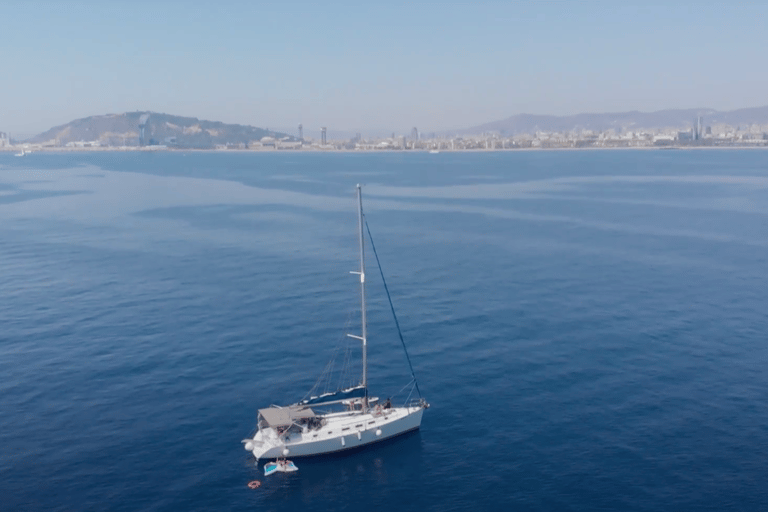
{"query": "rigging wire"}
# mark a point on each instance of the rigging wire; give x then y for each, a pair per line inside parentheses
(391, 306)
(327, 374)
(345, 377)
(410, 384)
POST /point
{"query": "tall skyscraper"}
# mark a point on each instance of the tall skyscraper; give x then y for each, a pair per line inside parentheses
(415, 134)
(143, 120)
(323, 139)
(301, 132)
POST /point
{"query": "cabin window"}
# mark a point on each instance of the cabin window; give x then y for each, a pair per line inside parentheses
(345, 428)
(358, 426)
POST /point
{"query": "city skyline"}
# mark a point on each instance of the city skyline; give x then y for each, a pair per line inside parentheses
(153, 131)
(351, 68)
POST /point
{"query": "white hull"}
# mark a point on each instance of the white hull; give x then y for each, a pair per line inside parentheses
(342, 431)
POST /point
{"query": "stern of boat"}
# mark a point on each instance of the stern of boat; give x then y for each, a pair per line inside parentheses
(265, 444)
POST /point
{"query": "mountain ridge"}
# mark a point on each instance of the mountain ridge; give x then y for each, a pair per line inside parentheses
(159, 128)
(635, 120)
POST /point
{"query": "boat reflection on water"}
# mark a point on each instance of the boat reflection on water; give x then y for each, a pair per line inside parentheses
(382, 471)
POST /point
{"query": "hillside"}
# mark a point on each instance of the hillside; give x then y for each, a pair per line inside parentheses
(673, 118)
(174, 131)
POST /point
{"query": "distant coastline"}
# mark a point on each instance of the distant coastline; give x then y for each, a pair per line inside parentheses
(153, 131)
(109, 149)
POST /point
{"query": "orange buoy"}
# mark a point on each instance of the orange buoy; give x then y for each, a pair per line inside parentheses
(254, 484)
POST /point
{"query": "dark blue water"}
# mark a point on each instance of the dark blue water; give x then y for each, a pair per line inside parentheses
(589, 327)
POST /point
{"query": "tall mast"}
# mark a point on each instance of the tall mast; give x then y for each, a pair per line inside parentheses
(362, 286)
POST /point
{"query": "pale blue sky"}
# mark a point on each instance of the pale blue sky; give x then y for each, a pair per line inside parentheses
(363, 65)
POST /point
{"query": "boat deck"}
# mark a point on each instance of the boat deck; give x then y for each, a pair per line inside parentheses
(340, 431)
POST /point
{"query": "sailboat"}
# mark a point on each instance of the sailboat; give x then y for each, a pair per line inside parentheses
(344, 419)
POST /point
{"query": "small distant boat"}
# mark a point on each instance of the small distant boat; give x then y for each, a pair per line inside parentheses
(434, 151)
(284, 466)
(23, 153)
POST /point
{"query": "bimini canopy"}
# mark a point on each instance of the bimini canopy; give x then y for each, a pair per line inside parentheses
(338, 396)
(286, 416)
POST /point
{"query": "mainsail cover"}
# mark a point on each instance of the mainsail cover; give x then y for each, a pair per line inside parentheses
(338, 396)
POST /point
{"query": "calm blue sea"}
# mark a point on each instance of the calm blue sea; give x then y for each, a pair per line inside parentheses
(589, 327)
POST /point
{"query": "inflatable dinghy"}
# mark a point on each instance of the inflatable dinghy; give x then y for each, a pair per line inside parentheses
(285, 466)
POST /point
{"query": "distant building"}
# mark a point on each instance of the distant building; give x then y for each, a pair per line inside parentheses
(5, 140)
(323, 137)
(415, 134)
(663, 138)
(143, 120)
(301, 132)
(288, 144)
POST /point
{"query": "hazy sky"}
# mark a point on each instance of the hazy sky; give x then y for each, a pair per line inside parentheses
(365, 65)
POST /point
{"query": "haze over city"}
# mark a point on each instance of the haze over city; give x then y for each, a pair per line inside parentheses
(384, 66)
